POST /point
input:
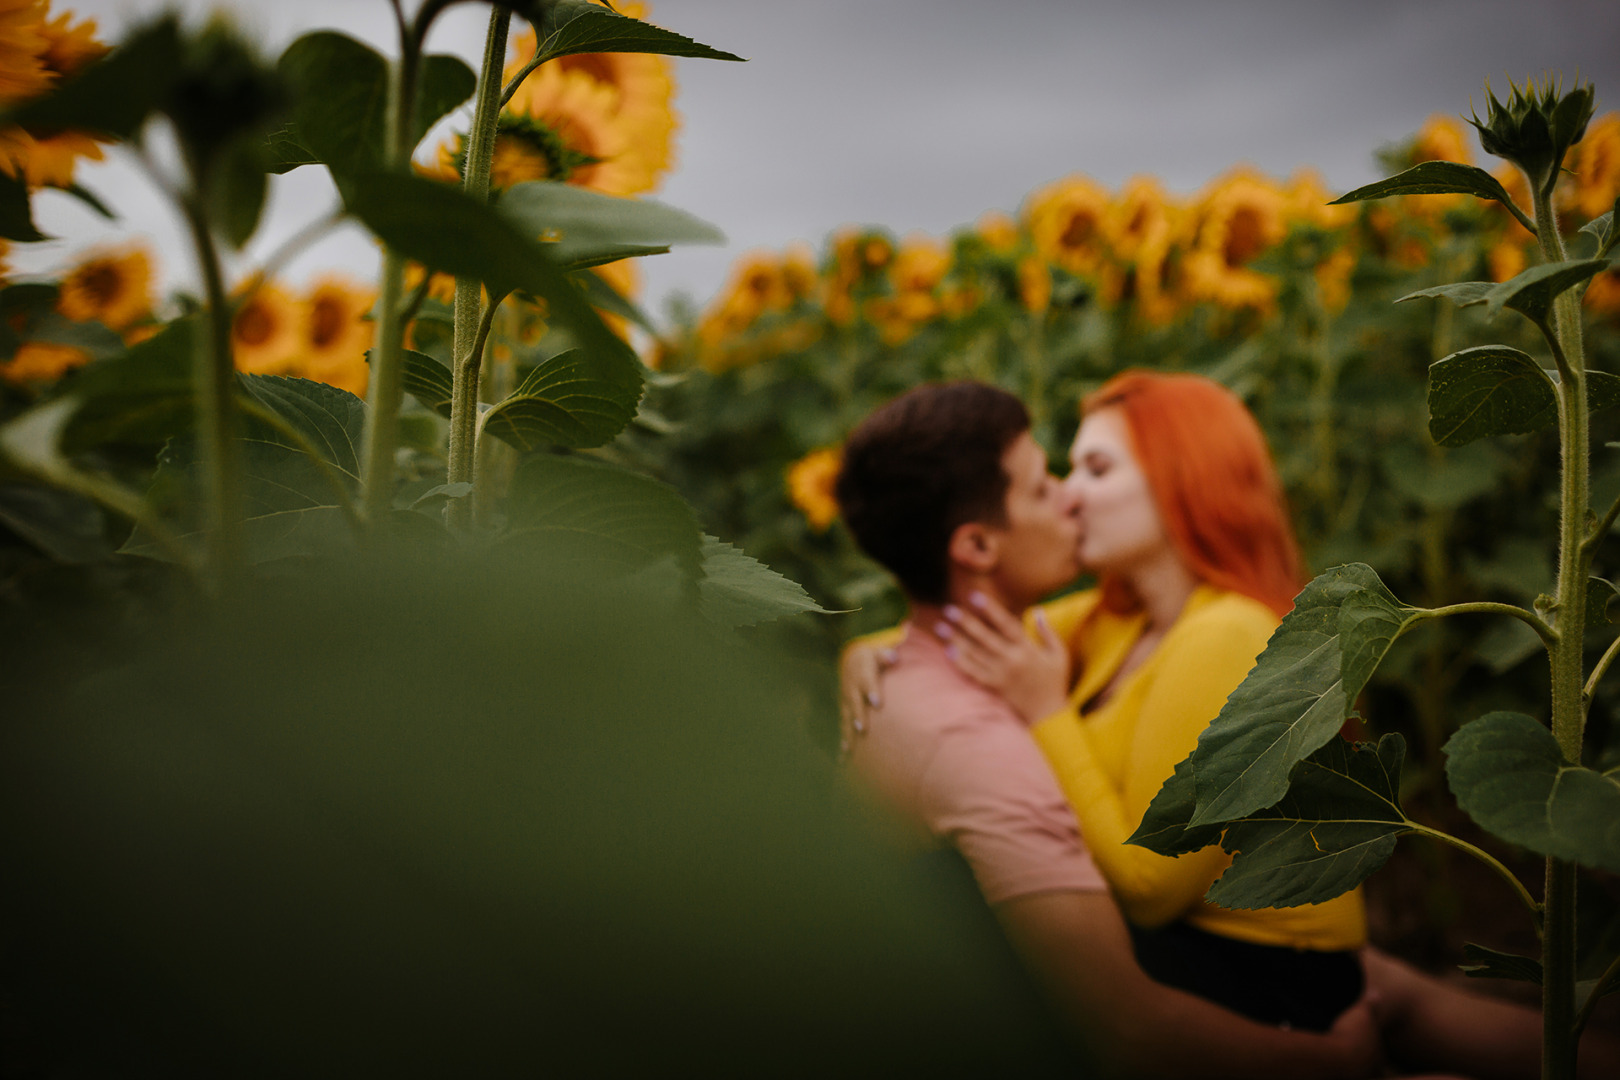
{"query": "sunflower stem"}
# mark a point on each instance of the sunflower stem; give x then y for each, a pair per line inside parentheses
(471, 325)
(1568, 700)
(387, 390)
(214, 381)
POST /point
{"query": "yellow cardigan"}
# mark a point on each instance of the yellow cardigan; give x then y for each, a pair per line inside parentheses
(1111, 760)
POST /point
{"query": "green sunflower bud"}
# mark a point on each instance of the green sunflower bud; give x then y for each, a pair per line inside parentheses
(1535, 127)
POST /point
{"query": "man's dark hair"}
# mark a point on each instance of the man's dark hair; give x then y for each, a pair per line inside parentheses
(925, 463)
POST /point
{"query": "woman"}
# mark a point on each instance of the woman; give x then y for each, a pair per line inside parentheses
(1184, 524)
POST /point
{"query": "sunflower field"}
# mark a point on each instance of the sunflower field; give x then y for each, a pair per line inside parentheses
(345, 624)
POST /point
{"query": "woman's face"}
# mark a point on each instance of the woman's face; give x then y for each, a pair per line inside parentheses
(1120, 527)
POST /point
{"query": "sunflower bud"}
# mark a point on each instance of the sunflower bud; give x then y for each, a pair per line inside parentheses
(223, 92)
(1535, 128)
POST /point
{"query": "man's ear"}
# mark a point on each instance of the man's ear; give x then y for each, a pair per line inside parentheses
(975, 547)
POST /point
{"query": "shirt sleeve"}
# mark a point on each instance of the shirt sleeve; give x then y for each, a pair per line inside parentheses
(990, 793)
(1195, 674)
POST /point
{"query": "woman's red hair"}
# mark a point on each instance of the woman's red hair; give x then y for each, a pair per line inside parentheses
(1212, 477)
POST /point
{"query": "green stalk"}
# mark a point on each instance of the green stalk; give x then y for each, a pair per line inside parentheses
(387, 390)
(1568, 707)
(467, 347)
(214, 378)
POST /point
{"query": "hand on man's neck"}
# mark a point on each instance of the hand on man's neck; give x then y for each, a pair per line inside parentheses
(963, 585)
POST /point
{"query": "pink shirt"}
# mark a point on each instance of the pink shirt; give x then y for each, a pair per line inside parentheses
(956, 759)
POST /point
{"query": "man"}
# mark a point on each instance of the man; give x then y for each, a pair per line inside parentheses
(947, 489)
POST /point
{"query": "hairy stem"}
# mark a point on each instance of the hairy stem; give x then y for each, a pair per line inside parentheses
(1485, 607)
(214, 379)
(471, 325)
(387, 391)
(1568, 701)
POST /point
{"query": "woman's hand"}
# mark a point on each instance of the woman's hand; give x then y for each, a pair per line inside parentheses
(860, 690)
(989, 644)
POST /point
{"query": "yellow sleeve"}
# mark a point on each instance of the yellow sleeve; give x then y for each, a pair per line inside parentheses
(1193, 675)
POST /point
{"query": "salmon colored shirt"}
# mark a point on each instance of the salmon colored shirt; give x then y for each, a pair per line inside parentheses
(1112, 759)
(959, 764)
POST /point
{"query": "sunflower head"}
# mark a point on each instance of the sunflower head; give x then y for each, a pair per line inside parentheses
(1596, 165)
(69, 46)
(41, 362)
(811, 482)
(1535, 127)
(998, 230)
(23, 73)
(1034, 283)
(224, 91)
(920, 264)
(266, 335)
(113, 288)
(1067, 223)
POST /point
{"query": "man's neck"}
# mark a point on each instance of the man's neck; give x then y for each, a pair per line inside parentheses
(960, 593)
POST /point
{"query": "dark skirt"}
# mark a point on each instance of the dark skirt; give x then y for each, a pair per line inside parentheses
(1273, 984)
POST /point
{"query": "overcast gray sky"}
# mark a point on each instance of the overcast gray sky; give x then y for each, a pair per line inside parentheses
(922, 114)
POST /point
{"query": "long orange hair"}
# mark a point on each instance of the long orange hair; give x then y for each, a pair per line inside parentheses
(1213, 480)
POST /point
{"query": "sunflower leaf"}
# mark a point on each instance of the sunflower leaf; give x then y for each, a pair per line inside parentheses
(63, 526)
(114, 95)
(16, 212)
(739, 590)
(604, 297)
(1299, 694)
(445, 82)
(601, 516)
(1461, 293)
(441, 227)
(1510, 776)
(1432, 178)
(285, 150)
(1486, 963)
(1497, 390)
(578, 26)
(141, 397)
(574, 399)
(426, 380)
(300, 473)
(1600, 593)
(582, 226)
(339, 90)
(1602, 230)
(1532, 293)
(237, 192)
(1337, 824)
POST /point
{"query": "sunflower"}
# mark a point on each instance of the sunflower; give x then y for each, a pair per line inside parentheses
(625, 279)
(799, 272)
(998, 230)
(1506, 259)
(1309, 201)
(1603, 294)
(23, 72)
(1239, 217)
(576, 114)
(811, 481)
(41, 361)
(1150, 283)
(1141, 215)
(1441, 138)
(113, 288)
(642, 85)
(267, 332)
(1595, 161)
(48, 160)
(1066, 223)
(336, 334)
(919, 265)
(1333, 279)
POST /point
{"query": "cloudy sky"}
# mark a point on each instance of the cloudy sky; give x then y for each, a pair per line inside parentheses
(922, 114)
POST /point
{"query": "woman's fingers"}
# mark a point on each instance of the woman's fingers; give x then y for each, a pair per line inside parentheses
(996, 615)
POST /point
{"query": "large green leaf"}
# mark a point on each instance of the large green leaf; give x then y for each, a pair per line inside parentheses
(237, 189)
(428, 381)
(578, 26)
(575, 399)
(1336, 825)
(340, 100)
(441, 227)
(1509, 775)
(1299, 694)
(443, 83)
(604, 297)
(1488, 390)
(1461, 293)
(143, 397)
(576, 511)
(1599, 595)
(1497, 390)
(300, 471)
(1602, 230)
(1532, 293)
(582, 226)
(61, 525)
(114, 95)
(1164, 827)
(1432, 178)
(1486, 963)
(739, 590)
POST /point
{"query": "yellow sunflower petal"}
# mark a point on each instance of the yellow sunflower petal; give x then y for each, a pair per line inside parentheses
(810, 483)
(110, 287)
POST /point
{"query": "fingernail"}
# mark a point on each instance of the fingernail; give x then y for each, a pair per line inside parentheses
(1040, 616)
(944, 630)
(953, 613)
(889, 656)
(872, 698)
(860, 727)
(950, 651)
(843, 746)
(978, 599)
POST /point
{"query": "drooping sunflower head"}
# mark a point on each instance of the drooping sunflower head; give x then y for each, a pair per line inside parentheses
(113, 288)
(266, 332)
(811, 482)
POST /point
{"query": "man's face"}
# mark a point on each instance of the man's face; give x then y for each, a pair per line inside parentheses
(1038, 544)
